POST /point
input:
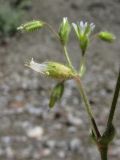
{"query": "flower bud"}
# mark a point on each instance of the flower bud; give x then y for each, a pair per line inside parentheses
(31, 26)
(52, 69)
(106, 36)
(56, 94)
(64, 31)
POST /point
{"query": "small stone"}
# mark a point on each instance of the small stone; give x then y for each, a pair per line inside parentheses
(61, 144)
(72, 129)
(9, 152)
(46, 152)
(51, 144)
(61, 154)
(36, 132)
(74, 120)
(75, 144)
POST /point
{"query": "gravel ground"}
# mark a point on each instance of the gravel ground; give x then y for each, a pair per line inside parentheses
(28, 129)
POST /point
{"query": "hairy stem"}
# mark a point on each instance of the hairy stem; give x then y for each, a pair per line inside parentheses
(114, 101)
(88, 107)
(64, 47)
(103, 152)
(52, 30)
(82, 63)
(67, 57)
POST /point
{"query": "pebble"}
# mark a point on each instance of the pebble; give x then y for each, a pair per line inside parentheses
(61, 154)
(75, 145)
(51, 144)
(9, 152)
(34, 110)
(74, 120)
(35, 132)
(72, 129)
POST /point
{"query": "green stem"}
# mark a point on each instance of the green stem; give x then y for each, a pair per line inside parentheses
(88, 107)
(64, 47)
(67, 57)
(52, 30)
(82, 63)
(114, 101)
(103, 152)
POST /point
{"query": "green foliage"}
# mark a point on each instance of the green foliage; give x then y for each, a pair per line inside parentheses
(9, 20)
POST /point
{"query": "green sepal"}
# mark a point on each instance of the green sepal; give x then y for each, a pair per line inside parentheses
(84, 41)
(92, 136)
(82, 70)
(59, 71)
(56, 94)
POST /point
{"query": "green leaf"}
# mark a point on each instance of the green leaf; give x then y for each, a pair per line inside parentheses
(56, 94)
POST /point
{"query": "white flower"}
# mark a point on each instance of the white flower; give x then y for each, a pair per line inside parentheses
(92, 26)
(65, 20)
(75, 26)
(83, 28)
(41, 68)
(83, 31)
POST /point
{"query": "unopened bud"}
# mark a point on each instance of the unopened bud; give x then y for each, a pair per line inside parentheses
(106, 36)
(31, 26)
(56, 94)
(64, 31)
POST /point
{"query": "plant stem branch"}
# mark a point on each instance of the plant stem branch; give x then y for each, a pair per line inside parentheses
(82, 63)
(64, 47)
(103, 152)
(114, 101)
(67, 57)
(52, 30)
(88, 107)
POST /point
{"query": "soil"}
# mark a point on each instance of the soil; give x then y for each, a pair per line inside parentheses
(28, 129)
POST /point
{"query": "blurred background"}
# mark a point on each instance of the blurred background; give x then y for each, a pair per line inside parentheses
(28, 129)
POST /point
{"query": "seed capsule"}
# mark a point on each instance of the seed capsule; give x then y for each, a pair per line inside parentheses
(106, 36)
(31, 26)
(52, 69)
